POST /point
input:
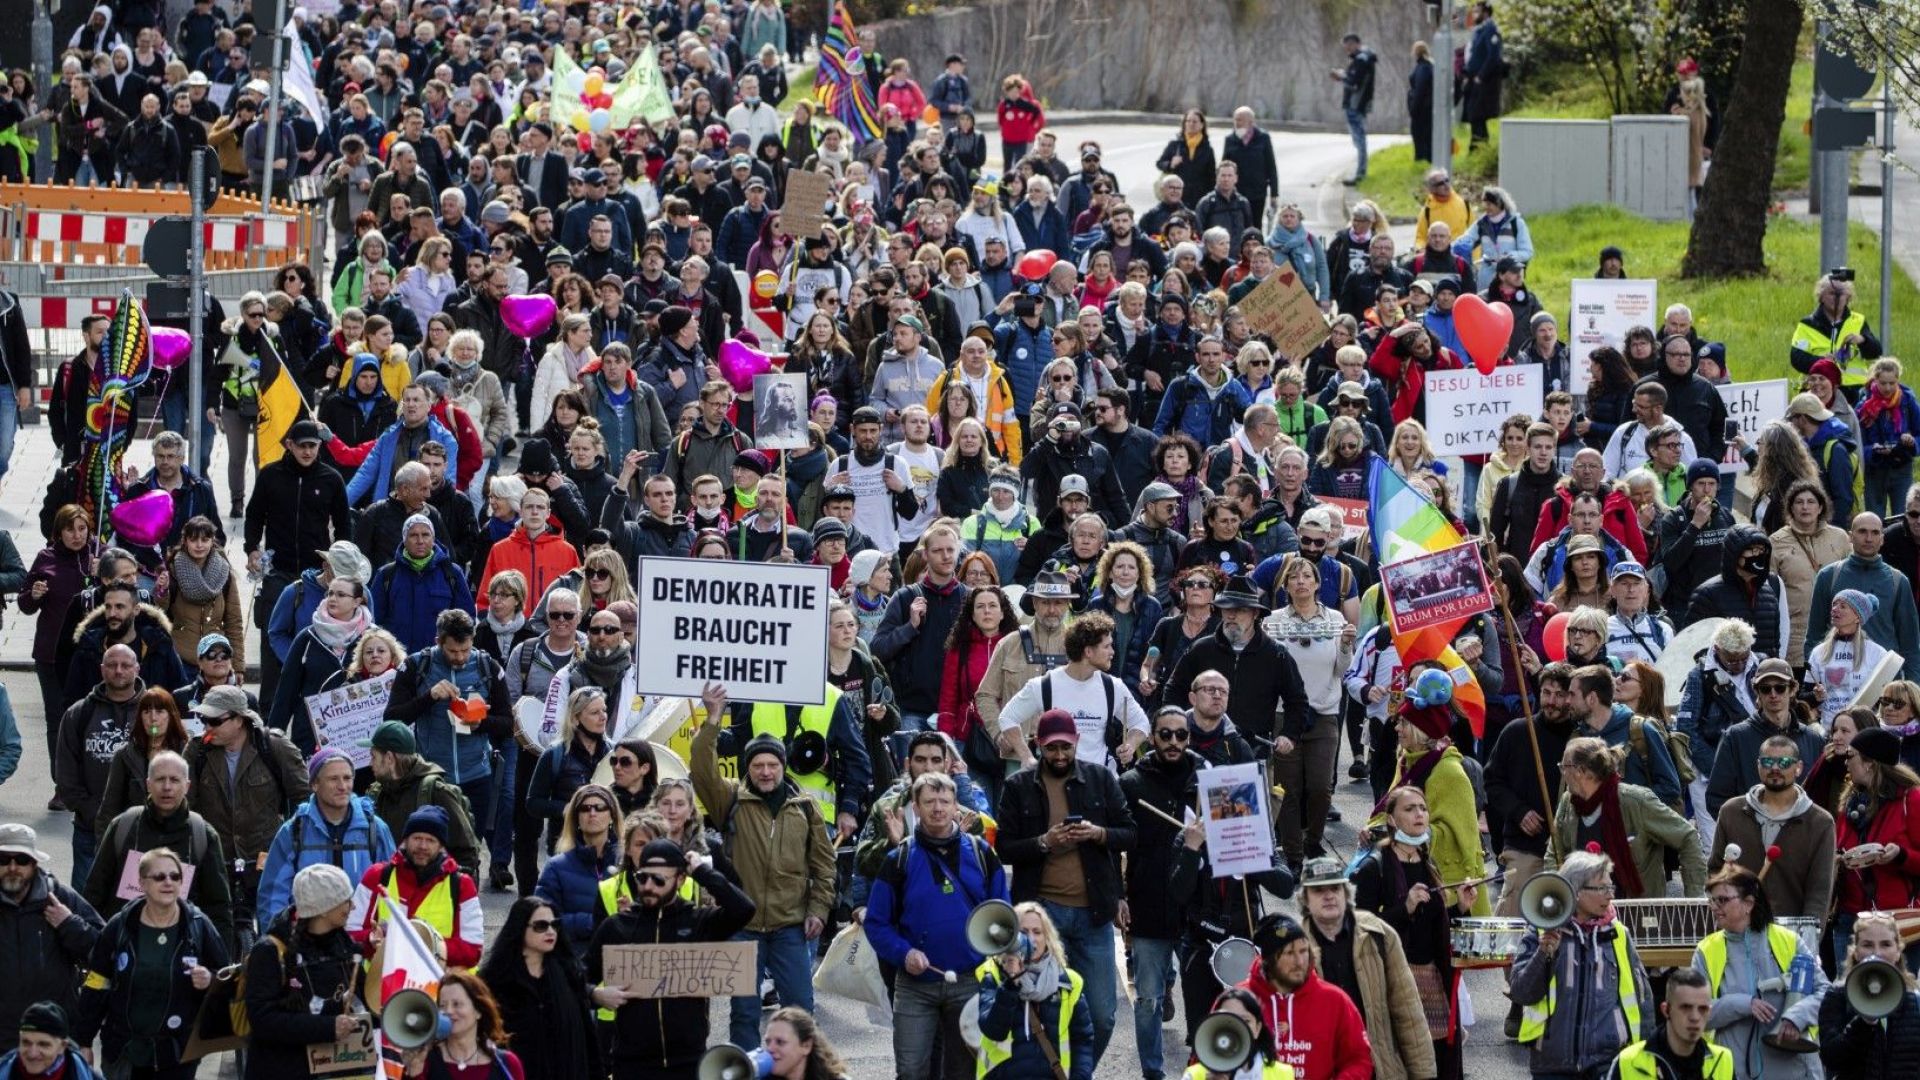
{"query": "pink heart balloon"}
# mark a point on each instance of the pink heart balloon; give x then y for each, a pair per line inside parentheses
(528, 316)
(143, 520)
(1484, 329)
(739, 363)
(170, 347)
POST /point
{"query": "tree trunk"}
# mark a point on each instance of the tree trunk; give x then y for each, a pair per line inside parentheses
(1731, 227)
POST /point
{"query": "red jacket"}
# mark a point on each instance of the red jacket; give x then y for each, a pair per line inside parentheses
(1617, 517)
(1316, 1029)
(1891, 885)
(1021, 119)
(465, 935)
(542, 561)
(960, 676)
(465, 436)
(1406, 377)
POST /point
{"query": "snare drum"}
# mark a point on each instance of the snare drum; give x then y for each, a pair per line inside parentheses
(1232, 959)
(1487, 942)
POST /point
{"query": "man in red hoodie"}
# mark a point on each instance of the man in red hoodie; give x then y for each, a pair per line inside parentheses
(1315, 1026)
(1618, 517)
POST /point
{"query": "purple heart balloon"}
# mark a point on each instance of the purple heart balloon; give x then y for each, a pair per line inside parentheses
(143, 520)
(528, 316)
(739, 363)
(170, 347)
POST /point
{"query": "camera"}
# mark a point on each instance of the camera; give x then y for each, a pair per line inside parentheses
(1841, 273)
(1025, 306)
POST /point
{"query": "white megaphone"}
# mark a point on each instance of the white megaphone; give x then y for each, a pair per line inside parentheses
(412, 1019)
(1875, 988)
(727, 1062)
(1222, 1043)
(1546, 901)
(994, 929)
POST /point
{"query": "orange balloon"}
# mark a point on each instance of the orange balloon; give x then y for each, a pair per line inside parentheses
(930, 115)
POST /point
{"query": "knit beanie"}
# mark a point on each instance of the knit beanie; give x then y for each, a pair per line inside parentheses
(320, 888)
(1863, 603)
(764, 744)
(674, 319)
(864, 565)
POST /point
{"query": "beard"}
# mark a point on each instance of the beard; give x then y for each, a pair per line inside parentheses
(1059, 770)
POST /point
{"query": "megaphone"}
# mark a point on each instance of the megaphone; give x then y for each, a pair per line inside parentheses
(727, 1062)
(1546, 901)
(411, 1019)
(1795, 985)
(1875, 988)
(994, 929)
(1222, 1043)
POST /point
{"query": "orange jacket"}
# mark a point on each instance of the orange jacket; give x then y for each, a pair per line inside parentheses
(542, 560)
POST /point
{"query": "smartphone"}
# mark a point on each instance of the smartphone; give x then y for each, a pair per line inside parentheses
(1733, 430)
(1073, 819)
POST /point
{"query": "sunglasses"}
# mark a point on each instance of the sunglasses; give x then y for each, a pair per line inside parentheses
(603, 629)
(660, 880)
(15, 858)
(1893, 702)
(1259, 363)
(217, 654)
(625, 761)
(164, 875)
(1200, 583)
(562, 616)
(1772, 688)
(594, 808)
(543, 926)
(600, 575)
(1168, 734)
(1060, 378)
(1781, 763)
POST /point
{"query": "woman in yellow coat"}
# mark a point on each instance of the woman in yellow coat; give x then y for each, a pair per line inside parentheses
(1430, 762)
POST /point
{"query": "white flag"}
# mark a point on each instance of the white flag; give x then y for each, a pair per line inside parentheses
(297, 81)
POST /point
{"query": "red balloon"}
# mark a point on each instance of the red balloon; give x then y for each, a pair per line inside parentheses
(586, 142)
(1034, 264)
(1554, 637)
(603, 100)
(1485, 328)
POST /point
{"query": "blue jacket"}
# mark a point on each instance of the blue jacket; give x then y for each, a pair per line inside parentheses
(1147, 614)
(466, 754)
(363, 840)
(10, 745)
(293, 612)
(1047, 229)
(408, 601)
(1186, 406)
(1440, 325)
(1024, 355)
(912, 907)
(572, 882)
(1883, 449)
(1833, 450)
(376, 471)
(739, 231)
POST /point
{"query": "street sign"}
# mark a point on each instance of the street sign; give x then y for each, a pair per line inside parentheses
(166, 247)
(168, 300)
(1836, 128)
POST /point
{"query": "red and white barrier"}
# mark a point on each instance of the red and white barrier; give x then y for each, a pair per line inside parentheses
(222, 234)
(64, 312)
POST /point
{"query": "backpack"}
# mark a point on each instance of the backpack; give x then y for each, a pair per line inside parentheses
(240, 1022)
(1116, 728)
(122, 835)
(1679, 747)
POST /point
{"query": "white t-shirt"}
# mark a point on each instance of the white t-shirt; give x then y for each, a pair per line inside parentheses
(873, 503)
(1086, 700)
(921, 470)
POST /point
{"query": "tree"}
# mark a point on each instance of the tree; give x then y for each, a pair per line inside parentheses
(1629, 48)
(1731, 228)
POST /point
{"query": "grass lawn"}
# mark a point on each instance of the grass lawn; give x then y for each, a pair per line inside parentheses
(1754, 317)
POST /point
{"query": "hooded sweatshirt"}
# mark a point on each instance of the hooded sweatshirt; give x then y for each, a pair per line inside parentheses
(1802, 884)
(1317, 1029)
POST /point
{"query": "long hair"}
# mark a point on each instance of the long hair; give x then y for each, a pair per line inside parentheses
(1653, 690)
(356, 668)
(1615, 374)
(577, 703)
(1781, 459)
(963, 632)
(619, 587)
(1103, 572)
(570, 819)
(174, 738)
(643, 752)
(504, 960)
(824, 1062)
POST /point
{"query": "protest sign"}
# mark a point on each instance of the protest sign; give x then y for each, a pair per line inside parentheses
(780, 411)
(759, 629)
(346, 715)
(129, 887)
(1465, 408)
(1750, 405)
(805, 210)
(705, 969)
(1437, 587)
(1353, 513)
(356, 1053)
(1280, 308)
(1239, 829)
(1603, 311)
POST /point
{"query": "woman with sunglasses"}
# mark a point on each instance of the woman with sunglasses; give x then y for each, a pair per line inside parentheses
(537, 977)
(504, 623)
(1193, 592)
(636, 775)
(586, 848)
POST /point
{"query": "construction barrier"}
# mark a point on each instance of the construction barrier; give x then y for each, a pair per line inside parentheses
(61, 226)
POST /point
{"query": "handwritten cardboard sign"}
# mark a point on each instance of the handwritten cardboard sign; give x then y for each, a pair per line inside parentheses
(129, 887)
(705, 969)
(357, 1053)
(805, 211)
(1280, 308)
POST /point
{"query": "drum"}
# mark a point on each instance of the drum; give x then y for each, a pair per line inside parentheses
(1479, 943)
(1232, 959)
(531, 714)
(970, 1023)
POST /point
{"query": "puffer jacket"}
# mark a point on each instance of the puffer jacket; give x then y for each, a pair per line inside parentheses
(1855, 1048)
(106, 999)
(1764, 606)
(1652, 828)
(1168, 787)
(221, 613)
(153, 642)
(1588, 1027)
(1736, 766)
(783, 855)
(46, 960)
(541, 559)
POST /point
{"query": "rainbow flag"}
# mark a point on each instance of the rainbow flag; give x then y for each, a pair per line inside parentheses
(1404, 523)
(840, 84)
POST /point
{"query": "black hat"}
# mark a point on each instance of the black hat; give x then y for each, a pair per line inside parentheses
(1239, 593)
(303, 431)
(594, 176)
(1877, 744)
(1275, 932)
(763, 744)
(536, 458)
(1508, 262)
(674, 319)
(664, 853)
(1048, 585)
(865, 414)
(1448, 283)
(809, 753)
(652, 308)
(45, 1018)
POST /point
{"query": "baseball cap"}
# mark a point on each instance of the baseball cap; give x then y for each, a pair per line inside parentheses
(1055, 726)
(1073, 484)
(393, 737)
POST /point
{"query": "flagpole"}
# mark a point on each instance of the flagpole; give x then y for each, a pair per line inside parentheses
(1526, 710)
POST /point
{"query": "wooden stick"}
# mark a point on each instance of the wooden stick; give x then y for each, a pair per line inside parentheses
(1161, 814)
(1495, 876)
(1533, 734)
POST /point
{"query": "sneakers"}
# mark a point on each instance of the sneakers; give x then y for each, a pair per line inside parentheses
(1333, 814)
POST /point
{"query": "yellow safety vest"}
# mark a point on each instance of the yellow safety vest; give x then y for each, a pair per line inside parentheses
(770, 719)
(1533, 1018)
(1853, 366)
(612, 889)
(1637, 1062)
(995, 1052)
(1782, 942)
(436, 910)
(1272, 1070)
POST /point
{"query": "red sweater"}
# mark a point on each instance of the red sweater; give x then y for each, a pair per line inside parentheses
(1893, 884)
(1405, 378)
(1617, 517)
(1316, 1029)
(960, 676)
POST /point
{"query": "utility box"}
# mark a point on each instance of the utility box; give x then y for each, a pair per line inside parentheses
(1549, 165)
(1649, 166)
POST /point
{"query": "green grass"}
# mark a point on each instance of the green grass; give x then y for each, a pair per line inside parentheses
(799, 88)
(1754, 316)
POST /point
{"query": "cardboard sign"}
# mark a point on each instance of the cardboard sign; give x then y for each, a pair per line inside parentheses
(759, 629)
(1438, 587)
(1280, 308)
(345, 715)
(357, 1053)
(707, 969)
(1239, 833)
(1751, 405)
(1465, 408)
(1603, 312)
(129, 887)
(1353, 513)
(804, 213)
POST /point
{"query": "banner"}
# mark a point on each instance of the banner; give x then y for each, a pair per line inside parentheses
(1239, 819)
(1280, 308)
(297, 83)
(345, 715)
(759, 629)
(703, 970)
(1353, 513)
(1438, 587)
(1465, 408)
(1603, 311)
(1750, 405)
(804, 212)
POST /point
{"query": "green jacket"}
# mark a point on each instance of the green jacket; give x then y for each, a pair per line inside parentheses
(427, 784)
(1652, 827)
(784, 856)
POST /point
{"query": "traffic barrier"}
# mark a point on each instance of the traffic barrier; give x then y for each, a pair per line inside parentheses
(222, 234)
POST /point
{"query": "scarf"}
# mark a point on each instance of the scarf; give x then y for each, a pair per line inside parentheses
(201, 583)
(604, 672)
(462, 377)
(1613, 834)
(1414, 775)
(337, 634)
(1040, 981)
(1004, 517)
(1188, 487)
(504, 631)
(1874, 405)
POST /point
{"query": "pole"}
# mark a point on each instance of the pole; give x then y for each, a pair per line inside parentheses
(43, 80)
(273, 122)
(1887, 115)
(1443, 89)
(1526, 710)
(196, 298)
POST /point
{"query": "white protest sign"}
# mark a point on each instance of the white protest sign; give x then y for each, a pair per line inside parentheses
(1751, 405)
(1603, 311)
(759, 629)
(1465, 408)
(345, 715)
(1239, 819)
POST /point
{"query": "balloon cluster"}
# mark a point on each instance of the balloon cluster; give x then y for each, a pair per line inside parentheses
(596, 114)
(131, 352)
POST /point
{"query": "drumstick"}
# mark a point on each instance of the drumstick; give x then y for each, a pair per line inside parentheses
(1476, 881)
(1161, 814)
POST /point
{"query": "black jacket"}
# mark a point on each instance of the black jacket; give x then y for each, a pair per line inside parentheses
(643, 1037)
(1047, 463)
(916, 657)
(1218, 908)
(1131, 453)
(1267, 700)
(382, 527)
(1855, 1048)
(1163, 547)
(104, 1011)
(284, 1020)
(1094, 793)
(297, 512)
(1694, 404)
(1726, 596)
(1169, 788)
(1259, 178)
(1692, 555)
(644, 535)
(45, 961)
(549, 1018)
(1513, 783)
(1516, 508)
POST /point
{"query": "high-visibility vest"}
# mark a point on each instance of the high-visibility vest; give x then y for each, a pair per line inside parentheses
(1272, 1070)
(770, 719)
(435, 909)
(1637, 1062)
(1782, 942)
(994, 1052)
(1534, 1017)
(612, 889)
(1853, 367)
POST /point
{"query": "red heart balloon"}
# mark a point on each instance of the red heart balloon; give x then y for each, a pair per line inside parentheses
(1484, 329)
(1553, 637)
(1035, 264)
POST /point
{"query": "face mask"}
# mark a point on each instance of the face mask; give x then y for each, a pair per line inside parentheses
(1122, 591)
(1411, 841)
(1757, 565)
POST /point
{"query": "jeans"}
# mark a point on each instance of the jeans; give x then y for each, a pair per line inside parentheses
(786, 956)
(238, 429)
(1886, 485)
(526, 827)
(500, 839)
(1357, 127)
(9, 427)
(923, 1012)
(85, 845)
(1703, 822)
(479, 795)
(173, 417)
(1152, 974)
(1090, 952)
